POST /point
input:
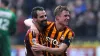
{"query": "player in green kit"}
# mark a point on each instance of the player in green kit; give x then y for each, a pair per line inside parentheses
(7, 28)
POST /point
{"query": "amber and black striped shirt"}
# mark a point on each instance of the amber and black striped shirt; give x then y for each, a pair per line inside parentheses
(50, 37)
(53, 38)
(28, 41)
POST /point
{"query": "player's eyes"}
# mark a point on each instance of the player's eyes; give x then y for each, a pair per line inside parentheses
(43, 16)
(67, 15)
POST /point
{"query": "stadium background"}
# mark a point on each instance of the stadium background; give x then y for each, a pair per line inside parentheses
(85, 22)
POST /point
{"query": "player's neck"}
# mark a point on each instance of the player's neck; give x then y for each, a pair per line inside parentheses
(59, 27)
(37, 25)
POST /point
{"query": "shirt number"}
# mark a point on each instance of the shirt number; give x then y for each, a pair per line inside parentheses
(4, 24)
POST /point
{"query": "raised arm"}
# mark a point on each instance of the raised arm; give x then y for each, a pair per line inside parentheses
(28, 22)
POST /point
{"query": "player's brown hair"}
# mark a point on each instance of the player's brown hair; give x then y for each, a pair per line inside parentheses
(34, 11)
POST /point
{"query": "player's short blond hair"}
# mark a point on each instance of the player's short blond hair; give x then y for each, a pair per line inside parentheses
(59, 9)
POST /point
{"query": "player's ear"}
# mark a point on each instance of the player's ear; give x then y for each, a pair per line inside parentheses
(56, 17)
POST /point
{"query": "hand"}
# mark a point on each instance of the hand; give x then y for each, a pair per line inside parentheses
(37, 53)
(38, 47)
(29, 23)
(34, 29)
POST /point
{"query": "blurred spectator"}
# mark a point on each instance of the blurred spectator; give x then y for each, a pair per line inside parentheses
(98, 25)
(50, 15)
(59, 2)
(90, 23)
(96, 5)
(28, 5)
(13, 8)
(21, 29)
(80, 6)
(80, 26)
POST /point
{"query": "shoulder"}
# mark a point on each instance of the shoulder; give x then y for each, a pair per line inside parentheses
(28, 31)
(11, 12)
(69, 28)
(49, 23)
(8, 13)
(70, 31)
